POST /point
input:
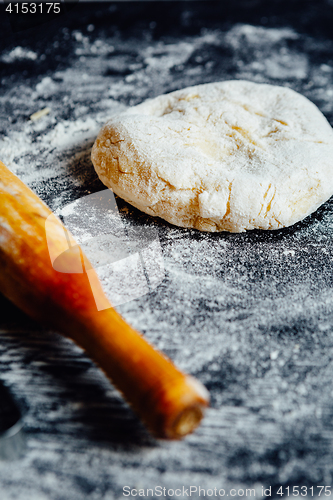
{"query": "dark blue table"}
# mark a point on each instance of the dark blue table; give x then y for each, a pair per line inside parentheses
(250, 315)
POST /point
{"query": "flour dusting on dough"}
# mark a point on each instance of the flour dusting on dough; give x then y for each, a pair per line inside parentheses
(226, 156)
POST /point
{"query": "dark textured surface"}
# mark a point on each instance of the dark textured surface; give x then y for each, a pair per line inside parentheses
(250, 315)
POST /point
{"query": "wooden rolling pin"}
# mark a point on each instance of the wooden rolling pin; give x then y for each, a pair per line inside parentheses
(170, 403)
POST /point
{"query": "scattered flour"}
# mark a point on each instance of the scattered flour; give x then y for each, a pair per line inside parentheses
(243, 35)
(228, 303)
(19, 54)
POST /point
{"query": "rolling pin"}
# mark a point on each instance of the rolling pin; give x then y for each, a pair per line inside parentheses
(170, 403)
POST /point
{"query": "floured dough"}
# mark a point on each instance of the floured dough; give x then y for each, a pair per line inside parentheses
(226, 156)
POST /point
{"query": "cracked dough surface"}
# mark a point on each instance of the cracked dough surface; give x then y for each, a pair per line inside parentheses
(226, 156)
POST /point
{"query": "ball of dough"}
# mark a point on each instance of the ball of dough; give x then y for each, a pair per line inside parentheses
(226, 156)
